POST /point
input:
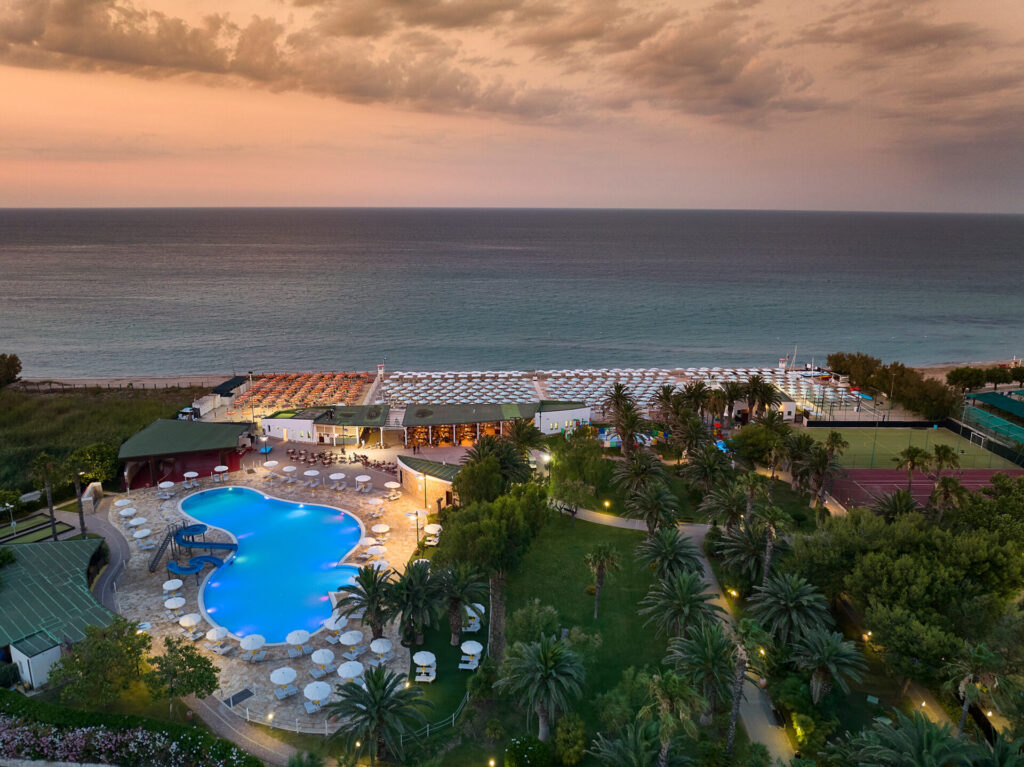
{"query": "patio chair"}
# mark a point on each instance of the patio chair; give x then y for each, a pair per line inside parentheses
(307, 649)
(331, 639)
(432, 541)
(223, 649)
(259, 657)
(470, 665)
(429, 675)
(311, 707)
(294, 652)
(194, 634)
(330, 668)
(355, 652)
(280, 693)
(317, 673)
(216, 477)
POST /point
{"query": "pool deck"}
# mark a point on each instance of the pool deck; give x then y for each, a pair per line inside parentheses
(139, 596)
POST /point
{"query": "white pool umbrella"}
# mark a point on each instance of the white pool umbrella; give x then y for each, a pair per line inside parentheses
(375, 501)
(424, 658)
(174, 603)
(317, 691)
(220, 468)
(350, 670)
(363, 478)
(283, 676)
(322, 657)
(297, 637)
(252, 643)
(477, 609)
(140, 534)
(137, 522)
(351, 638)
(191, 620)
(380, 646)
(166, 485)
(121, 502)
(392, 485)
(289, 469)
(336, 623)
(379, 564)
(432, 529)
(336, 476)
(190, 474)
(311, 473)
(125, 513)
(381, 528)
(270, 464)
(217, 634)
(367, 541)
(472, 647)
(376, 551)
(172, 585)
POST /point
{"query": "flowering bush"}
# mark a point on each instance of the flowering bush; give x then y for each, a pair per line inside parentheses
(130, 748)
(528, 751)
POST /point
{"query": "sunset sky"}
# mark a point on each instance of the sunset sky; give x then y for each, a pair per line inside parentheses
(830, 104)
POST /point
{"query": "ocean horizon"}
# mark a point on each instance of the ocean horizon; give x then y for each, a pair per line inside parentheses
(90, 292)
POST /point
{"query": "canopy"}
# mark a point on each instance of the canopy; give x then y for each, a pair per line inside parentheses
(166, 485)
(289, 469)
(336, 623)
(363, 478)
(380, 564)
(477, 609)
(433, 528)
(392, 485)
(375, 501)
(125, 513)
(376, 551)
(123, 502)
(190, 474)
(140, 534)
(367, 541)
(222, 467)
(137, 522)
(381, 528)
(283, 676)
(336, 476)
(270, 464)
(311, 473)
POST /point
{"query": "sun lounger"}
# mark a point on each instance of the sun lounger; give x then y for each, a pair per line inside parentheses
(331, 639)
(307, 649)
(433, 541)
(216, 477)
(194, 634)
(428, 675)
(471, 628)
(355, 652)
(287, 692)
(469, 665)
(317, 673)
(294, 652)
(147, 546)
(222, 649)
(258, 657)
(311, 707)
(163, 496)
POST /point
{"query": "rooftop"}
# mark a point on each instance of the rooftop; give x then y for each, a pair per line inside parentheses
(437, 415)
(224, 389)
(443, 471)
(554, 405)
(166, 437)
(45, 599)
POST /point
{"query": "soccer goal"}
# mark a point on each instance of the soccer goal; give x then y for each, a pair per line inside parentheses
(978, 439)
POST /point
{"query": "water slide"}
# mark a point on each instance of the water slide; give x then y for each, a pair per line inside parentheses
(185, 537)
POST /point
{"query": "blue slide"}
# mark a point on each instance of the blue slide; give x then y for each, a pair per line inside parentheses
(185, 537)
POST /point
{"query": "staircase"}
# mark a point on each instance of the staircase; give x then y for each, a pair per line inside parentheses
(155, 561)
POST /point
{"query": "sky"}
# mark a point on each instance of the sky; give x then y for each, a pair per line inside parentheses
(778, 104)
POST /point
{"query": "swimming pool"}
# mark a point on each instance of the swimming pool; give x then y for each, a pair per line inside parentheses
(287, 561)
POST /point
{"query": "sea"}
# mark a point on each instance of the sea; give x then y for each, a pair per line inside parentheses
(155, 292)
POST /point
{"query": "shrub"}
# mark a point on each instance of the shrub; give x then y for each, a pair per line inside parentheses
(530, 623)
(570, 740)
(9, 675)
(528, 751)
(494, 730)
(480, 685)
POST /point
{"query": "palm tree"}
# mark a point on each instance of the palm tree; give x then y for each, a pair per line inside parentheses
(715, 403)
(776, 431)
(747, 636)
(416, 598)
(944, 457)
(947, 494)
(755, 487)
(640, 470)
(820, 470)
(794, 453)
(831, 659)
(513, 464)
(602, 559)
(767, 397)
(676, 603)
(618, 398)
(705, 658)
(637, 746)
(733, 392)
(524, 434)
(48, 472)
(895, 504)
(544, 676)
(689, 432)
(751, 390)
(974, 670)
(1004, 753)
(369, 592)
(461, 586)
(742, 552)
(789, 607)
(909, 741)
(706, 466)
(664, 401)
(377, 713)
(834, 443)
(726, 504)
(773, 521)
(695, 394)
(911, 459)
(673, 702)
(668, 551)
(655, 505)
(628, 424)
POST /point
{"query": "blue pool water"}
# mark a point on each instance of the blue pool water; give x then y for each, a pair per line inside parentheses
(287, 561)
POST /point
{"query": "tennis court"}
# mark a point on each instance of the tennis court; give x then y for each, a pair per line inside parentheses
(860, 487)
(874, 448)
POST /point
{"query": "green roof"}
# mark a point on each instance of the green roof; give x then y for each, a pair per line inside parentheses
(166, 437)
(44, 599)
(356, 415)
(554, 405)
(438, 415)
(443, 471)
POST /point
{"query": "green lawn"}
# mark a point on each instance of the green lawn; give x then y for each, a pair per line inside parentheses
(23, 524)
(872, 448)
(135, 701)
(39, 535)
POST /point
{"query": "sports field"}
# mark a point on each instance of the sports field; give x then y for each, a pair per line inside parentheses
(872, 448)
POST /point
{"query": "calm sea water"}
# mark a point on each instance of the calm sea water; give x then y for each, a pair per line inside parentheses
(163, 292)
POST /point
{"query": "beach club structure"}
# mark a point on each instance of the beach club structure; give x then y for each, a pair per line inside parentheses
(427, 481)
(45, 603)
(166, 449)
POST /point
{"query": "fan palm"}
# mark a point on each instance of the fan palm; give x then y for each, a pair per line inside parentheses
(733, 392)
(755, 487)
(706, 658)
(726, 504)
(895, 504)
(767, 397)
(461, 586)
(834, 443)
(742, 553)
(695, 394)
(640, 470)
(375, 715)
(689, 432)
(789, 607)
(676, 603)
(416, 598)
(664, 401)
(369, 592)
(773, 521)
(602, 559)
(830, 658)
(673, 702)
(544, 676)
(911, 459)
(655, 506)
(974, 669)
(637, 746)
(668, 551)
(794, 452)
(948, 494)
(820, 471)
(910, 741)
(628, 423)
(618, 398)
(524, 435)
(706, 466)
(513, 464)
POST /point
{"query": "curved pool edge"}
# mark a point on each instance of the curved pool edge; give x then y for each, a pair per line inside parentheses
(202, 585)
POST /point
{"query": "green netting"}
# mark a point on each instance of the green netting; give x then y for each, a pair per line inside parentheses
(993, 424)
(1000, 402)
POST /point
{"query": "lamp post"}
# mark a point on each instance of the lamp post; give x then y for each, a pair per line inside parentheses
(260, 452)
(78, 495)
(423, 477)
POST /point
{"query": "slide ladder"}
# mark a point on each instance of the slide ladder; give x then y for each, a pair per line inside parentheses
(155, 561)
(185, 537)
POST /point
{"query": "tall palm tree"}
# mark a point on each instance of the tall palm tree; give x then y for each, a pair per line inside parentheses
(461, 586)
(655, 505)
(751, 388)
(773, 521)
(795, 450)
(893, 505)
(640, 470)
(734, 392)
(370, 592)
(628, 424)
(668, 551)
(747, 637)
(673, 702)
(755, 488)
(695, 394)
(912, 458)
(637, 746)
(513, 464)
(835, 444)
(377, 713)
(944, 457)
(544, 676)
(789, 607)
(1005, 752)
(706, 466)
(706, 658)
(776, 431)
(725, 505)
(602, 559)
(618, 398)
(676, 603)
(821, 470)
(416, 598)
(664, 401)
(947, 494)
(909, 741)
(974, 670)
(767, 397)
(831, 659)
(742, 552)
(716, 403)
(524, 435)
(689, 432)
(47, 471)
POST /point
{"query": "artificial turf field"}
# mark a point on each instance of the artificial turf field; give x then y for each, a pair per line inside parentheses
(874, 448)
